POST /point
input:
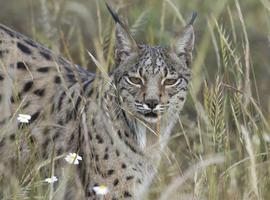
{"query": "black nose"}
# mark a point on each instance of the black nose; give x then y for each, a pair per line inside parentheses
(151, 103)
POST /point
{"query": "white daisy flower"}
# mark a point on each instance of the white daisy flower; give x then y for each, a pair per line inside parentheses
(73, 158)
(24, 118)
(101, 190)
(51, 180)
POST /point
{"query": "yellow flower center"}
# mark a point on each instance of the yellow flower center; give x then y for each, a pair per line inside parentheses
(102, 187)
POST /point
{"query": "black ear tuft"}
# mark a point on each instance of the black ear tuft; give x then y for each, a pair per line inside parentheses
(118, 21)
(124, 42)
(113, 14)
(193, 18)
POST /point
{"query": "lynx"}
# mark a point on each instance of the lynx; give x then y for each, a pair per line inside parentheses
(119, 124)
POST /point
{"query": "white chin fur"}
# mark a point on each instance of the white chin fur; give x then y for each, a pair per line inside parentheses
(152, 120)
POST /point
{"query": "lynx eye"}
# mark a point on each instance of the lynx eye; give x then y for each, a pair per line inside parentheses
(170, 82)
(135, 80)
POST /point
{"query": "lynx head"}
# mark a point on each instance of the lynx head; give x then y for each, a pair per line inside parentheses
(152, 81)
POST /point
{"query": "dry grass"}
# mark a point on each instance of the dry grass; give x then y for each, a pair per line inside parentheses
(220, 148)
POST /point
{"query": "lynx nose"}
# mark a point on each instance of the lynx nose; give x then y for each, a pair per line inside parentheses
(151, 103)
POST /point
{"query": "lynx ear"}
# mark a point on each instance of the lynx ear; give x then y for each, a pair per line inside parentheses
(124, 45)
(185, 44)
(124, 42)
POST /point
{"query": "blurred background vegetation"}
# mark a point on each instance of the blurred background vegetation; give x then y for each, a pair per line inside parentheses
(226, 118)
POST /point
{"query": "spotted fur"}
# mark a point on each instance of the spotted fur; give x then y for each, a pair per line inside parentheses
(119, 128)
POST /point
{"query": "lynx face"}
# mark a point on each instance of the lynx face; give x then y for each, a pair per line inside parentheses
(153, 81)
